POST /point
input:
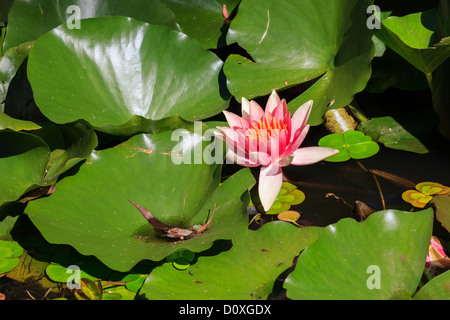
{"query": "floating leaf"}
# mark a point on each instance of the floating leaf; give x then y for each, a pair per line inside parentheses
(23, 159)
(351, 144)
(90, 290)
(9, 64)
(247, 271)
(10, 251)
(181, 260)
(436, 289)
(202, 20)
(28, 161)
(121, 81)
(29, 19)
(288, 47)
(412, 36)
(385, 256)
(442, 205)
(88, 209)
(288, 196)
(389, 132)
(424, 194)
(289, 216)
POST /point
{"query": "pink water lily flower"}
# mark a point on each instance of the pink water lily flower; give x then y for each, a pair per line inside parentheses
(271, 139)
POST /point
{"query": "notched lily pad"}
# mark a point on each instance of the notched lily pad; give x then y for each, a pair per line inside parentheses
(91, 212)
(288, 196)
(10, 251)
(122, 82)
(351, 144)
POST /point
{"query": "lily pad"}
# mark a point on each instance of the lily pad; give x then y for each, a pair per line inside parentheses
(245, 272)
(289, 216)
(288, 196)
(202, 20)
(120, 79)
(10, 251)
(385, 256)
(351, 144)
(389, 132)
(29, 19)
(442, 205)
(437, 288)
(412, 37)
(9, 64)
(91, 210)
(426, 191)
(30, 161)
(23, 159)
(288, 47)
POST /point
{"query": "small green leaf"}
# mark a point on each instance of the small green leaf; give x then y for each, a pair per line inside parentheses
(288, 196)
(9, 253)
(351, 144)
(289, 216)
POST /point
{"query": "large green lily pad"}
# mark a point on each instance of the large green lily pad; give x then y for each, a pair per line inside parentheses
(247, 271)
(29, 161)
(437, 288)
(9, 64)
(413, 38)
(29, 19)
(292, 42)
(380, 258)
(202, 19)
(123, 76)
(23, 159)
(91, 210)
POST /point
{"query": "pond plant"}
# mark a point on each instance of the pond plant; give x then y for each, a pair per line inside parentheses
(136, 161)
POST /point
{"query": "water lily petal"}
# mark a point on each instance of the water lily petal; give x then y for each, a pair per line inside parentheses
(272, 102)
(256, 112)
(297, 139)
(234, 121)
(239, 159)
(280, 112)
(261, 158)
(285, 161)
(245, 109)
(270, 181)
(301, 115)
(226, 134)
(310, 155)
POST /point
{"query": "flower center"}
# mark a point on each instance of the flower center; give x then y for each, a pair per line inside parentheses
(265, 128)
